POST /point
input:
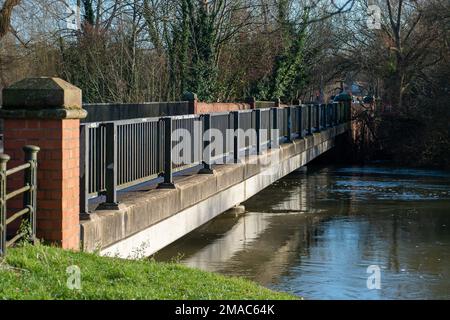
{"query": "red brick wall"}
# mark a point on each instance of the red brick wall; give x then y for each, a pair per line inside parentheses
(58, 175)
(203, 107)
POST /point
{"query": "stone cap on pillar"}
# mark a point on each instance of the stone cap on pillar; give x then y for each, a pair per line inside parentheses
(277, 102)
(250, 100)
(189, 96)
(42, 98)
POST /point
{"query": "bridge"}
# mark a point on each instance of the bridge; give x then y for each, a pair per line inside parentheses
(129, 187)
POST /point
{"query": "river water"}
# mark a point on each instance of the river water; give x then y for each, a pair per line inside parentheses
(325, 234)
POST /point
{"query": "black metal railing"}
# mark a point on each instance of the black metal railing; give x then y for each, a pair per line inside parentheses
(117, 155)
(29, 190)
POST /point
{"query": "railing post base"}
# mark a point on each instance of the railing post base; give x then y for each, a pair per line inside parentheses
(85, 216)
(110, 206)
(206, 171)
(166, 186)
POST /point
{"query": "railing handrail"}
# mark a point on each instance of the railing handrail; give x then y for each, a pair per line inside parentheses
(125, 104)
(17, 169)
(188, 116)
(184, 117)
(121, 122)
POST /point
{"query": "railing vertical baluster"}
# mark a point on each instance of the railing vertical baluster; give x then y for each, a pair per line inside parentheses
(98, 150)
(310, 119)
(289, 123)
(329, 110)
(347, 108)
(30, 179)
(134, 153)
(349, 112)
(344, 114)
(275, 136)
(317, 124)
(142, 150)
(3, 166)
(335, 114)
(331, 114)
(228, 137)
(319, 116)
(338, 117)
(340, 113)
(84, 169)
(300, 121)
(236, 137)
(345, 111)
(111, 169)
(207, 165)
(323, 116)
(168, 166)
(159, 137)
(258, 130)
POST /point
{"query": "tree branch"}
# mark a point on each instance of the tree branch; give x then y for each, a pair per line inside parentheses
(5, 16)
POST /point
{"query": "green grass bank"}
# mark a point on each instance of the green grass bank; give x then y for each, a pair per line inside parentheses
(40, 272)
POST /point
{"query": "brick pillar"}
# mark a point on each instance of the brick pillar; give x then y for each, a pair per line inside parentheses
(193, 101)
(46, 112)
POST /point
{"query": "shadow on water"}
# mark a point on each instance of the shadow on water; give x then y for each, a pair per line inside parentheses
(315, 235)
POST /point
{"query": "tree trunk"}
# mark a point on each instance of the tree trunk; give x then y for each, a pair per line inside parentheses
(5, 16)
